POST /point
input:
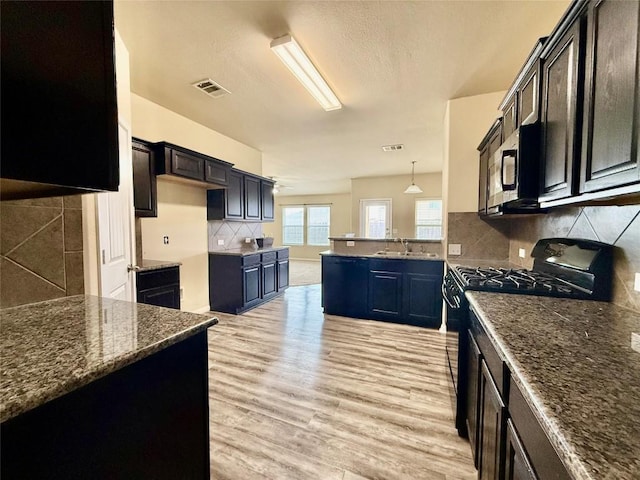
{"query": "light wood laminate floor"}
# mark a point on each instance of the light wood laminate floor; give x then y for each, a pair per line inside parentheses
(295, 394)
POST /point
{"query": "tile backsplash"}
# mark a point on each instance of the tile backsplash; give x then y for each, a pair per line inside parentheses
(41, 249)
(501, 239)
(479, 240)
(232, 233)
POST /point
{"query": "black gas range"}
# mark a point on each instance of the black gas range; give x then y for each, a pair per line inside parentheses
(562, 267)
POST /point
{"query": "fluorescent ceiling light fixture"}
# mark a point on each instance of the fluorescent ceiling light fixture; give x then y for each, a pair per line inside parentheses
(413, 188)
(292, 55)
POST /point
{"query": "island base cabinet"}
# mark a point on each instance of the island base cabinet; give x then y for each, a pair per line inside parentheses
(148, 420)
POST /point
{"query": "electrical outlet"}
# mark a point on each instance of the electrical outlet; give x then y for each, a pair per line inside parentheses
(455, 249)
(247, 240)
(165, 239)
(636, 284)
(522, 252)
(220, 242)
(351, 243)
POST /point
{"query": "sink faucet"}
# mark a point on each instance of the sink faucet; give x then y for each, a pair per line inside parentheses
(405, 244)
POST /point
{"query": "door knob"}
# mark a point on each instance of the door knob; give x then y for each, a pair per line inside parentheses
(132, 268)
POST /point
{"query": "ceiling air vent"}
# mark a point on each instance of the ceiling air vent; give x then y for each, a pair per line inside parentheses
(211, 88)
(392, 148)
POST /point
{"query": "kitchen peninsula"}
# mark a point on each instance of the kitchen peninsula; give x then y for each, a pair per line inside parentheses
(100, 388)
(400, 286)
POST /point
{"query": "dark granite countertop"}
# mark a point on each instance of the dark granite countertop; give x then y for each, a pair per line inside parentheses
(241, 252)
(388, 255)
(577, 363)
(147, 265)
(390, 240)
(51, 348)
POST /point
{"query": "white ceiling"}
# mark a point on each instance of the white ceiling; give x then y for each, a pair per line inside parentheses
(393, 65)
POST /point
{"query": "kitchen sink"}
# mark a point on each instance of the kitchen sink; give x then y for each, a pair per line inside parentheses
(382, 253)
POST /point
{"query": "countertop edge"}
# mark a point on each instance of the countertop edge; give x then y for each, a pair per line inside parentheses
(568, 455)
(331, 253)
(390, 240)
(244, 253)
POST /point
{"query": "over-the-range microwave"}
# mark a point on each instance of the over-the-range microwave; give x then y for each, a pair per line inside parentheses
(513, 173)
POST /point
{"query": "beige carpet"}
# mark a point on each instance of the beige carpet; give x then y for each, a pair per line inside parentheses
(304, 272)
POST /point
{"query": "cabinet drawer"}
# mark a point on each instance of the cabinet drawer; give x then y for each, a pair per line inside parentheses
(248, 260)
(284, 253)
(157, 278)
(269, 257)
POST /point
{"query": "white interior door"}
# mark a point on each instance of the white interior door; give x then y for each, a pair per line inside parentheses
(375, 218)
(116, 237)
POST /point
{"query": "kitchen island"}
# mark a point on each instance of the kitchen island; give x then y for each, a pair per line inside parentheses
(571, 371)
(100, 388)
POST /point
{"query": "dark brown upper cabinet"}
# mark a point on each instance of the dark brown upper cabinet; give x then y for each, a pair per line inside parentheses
(59, 107)
(268, 208)
(510, 116)
(488, 147)
(561, 96)
(145, 198)
(529, 95)
(188, 166)
(252, 198)
(611, 122)
(247, 198)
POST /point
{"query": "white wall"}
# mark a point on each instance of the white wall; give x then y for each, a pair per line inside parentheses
(155, 123)
(467, 121)
(403, 204)
(182, 209)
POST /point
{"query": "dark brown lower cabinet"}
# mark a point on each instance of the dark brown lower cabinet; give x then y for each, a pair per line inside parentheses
(269, 279)
(506, 438)
(490, 428)
(473, 397)
(517, 466)
(240, 282)
(148, 420)
(283, 274)
(159, 287)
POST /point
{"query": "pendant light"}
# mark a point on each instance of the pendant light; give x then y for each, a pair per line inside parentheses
(413, 188)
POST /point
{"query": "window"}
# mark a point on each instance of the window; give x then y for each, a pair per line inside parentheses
(318, 225)
(317, 219)
(429, 219)
(375, 218)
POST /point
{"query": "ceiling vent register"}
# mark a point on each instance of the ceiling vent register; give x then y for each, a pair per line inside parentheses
(392, 148)
(211, 88)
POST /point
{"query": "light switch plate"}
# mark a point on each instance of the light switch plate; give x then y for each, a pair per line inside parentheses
(522, 252)
(455, 249)
(635, 341)
(220, 241)
(636, 284)
(351, 243)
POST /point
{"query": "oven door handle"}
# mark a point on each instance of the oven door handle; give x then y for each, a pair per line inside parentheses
(452, 302)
